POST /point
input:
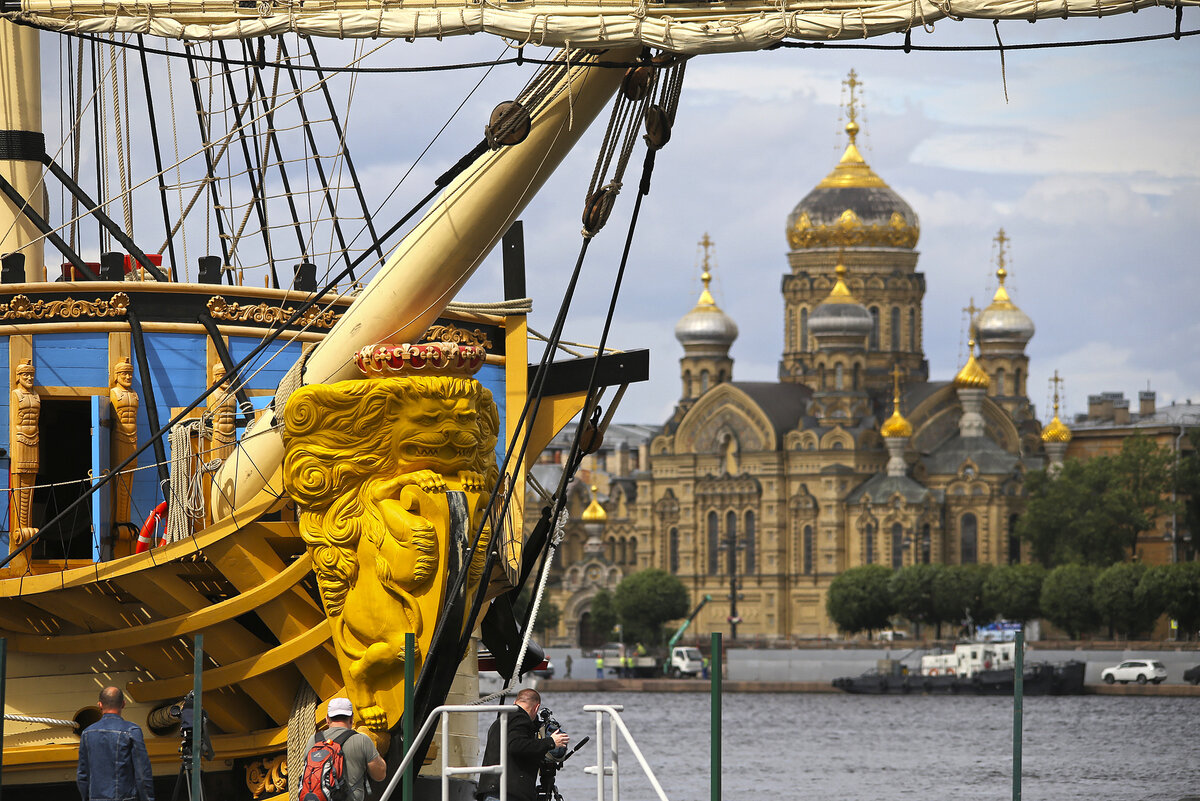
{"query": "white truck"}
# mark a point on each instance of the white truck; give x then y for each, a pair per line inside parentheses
(686, 662)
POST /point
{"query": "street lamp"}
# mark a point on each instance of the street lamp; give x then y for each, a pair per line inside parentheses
(733, 544)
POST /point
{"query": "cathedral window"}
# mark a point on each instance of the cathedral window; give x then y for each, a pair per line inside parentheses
(1014, 542)
(790, 330)
(673, 551)
(731, 539)
(1018, 382)
(926, 544)
(912, 329)
(687, 384)
(969, 539)
(895, 328)
(804, 329)
(749, 538)
(857, 377)
(808, 550)
(869, 544)
(703, 381)
(1000, 381)
(897, 546)
(713, 537)
(839, 379)
(632, 552)
(873, 342)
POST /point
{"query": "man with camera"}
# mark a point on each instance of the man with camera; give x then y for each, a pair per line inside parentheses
(526, 750)
(113, 763)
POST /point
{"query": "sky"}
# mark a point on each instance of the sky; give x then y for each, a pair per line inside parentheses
(1089, 164)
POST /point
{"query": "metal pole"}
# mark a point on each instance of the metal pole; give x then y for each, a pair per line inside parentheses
(715, 724)
(197, 717)
(410, 650)
(1018, 693)
(3, 682)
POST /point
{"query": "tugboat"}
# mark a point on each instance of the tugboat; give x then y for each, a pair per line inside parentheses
(975, 668)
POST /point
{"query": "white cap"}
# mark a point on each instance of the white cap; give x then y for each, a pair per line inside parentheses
(340, 708)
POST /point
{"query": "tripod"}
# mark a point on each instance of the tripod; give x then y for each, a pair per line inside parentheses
(185, 768)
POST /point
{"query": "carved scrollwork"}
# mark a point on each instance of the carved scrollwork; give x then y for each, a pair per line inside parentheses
(267, 776)
(222, 309)
(459, 336)
(22, 308)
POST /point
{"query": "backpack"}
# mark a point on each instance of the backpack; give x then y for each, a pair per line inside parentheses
(324, 775)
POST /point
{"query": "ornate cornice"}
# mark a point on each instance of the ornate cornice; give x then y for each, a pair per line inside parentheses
(222, 309)
(22, 308)
(849, 231)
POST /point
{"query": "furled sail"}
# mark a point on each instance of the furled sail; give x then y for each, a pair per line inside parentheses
(688, 28)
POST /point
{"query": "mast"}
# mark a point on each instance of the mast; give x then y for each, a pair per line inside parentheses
(432, 263)
(22, 144)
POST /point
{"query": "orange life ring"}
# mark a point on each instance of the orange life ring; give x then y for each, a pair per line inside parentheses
(933, 671)
(146, 535)
(949, 671)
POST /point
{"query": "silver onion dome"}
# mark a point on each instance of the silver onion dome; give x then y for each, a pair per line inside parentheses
(706, 324)
(1002, 323)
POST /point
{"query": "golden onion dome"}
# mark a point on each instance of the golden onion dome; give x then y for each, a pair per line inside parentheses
(896, 425)
(972, 376)
(1056, 431)
(594, 513)
(852, 206)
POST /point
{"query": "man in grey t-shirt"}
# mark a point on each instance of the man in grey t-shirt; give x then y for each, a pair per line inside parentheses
(361, 757)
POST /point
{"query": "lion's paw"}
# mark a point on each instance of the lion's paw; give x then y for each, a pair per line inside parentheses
(373, 718)
(427, 480)
(471, 481)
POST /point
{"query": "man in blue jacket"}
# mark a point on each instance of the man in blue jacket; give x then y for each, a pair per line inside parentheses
(113, 763)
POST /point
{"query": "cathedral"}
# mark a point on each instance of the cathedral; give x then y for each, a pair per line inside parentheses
(759, 494)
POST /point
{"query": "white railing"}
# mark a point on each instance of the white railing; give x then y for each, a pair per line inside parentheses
(442, 715)
(600, 769)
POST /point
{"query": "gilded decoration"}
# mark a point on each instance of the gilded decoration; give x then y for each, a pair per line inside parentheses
(267, 776)
(849, 231)
(22, 308)
(460, 336)
(222, 309)
(372, 465)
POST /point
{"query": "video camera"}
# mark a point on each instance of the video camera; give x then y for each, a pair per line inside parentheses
(554, 759)
(549, 726)
(184, 712)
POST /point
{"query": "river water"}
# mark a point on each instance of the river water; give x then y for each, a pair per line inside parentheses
(878, 748)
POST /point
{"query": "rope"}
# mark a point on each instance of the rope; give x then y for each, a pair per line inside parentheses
(301, 726)
(47, 721)
(185, 504)
(502, 307)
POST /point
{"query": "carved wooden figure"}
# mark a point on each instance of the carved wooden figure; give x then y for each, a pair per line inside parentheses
(26, 409)
(223, 406)
(124, 443)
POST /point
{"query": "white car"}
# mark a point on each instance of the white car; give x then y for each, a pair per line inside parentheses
(1139, 670)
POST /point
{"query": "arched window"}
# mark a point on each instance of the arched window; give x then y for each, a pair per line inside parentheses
(821, 377)
(895, 328)
(857, 377)
(750, 555)
(632, 552)
(873, 342)
(731, 539)
(713, 537)
(1000, 381)
(610, 549)
(703, 381)
(687, 384)
(926, 544)
(1018, 382)
(912, 329)
(1014, 542)
(969, 539)
(869, 544)
(624, 546)
(790, 330)
(897, 546)
(804, 329)
(673, 551)
(839, 378)
(808, 550)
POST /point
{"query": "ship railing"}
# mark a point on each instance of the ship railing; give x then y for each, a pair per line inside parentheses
(442, 715)
(601, 769)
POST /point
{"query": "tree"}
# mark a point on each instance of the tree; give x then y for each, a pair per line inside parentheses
(1094, 511)
(859, 599)
(911, 589)
(1015, 591)
(645, 601)
(958, 595)
(1119, 603)
(1067, 598)
(1181, 593)
(603, 613)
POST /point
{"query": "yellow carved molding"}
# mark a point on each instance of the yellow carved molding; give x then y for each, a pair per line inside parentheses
(22, 308)
(222, 309)
(267, 775)
(459, 336)
(849, 231)
(369, 464)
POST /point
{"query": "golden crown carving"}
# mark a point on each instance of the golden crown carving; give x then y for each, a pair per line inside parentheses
(441, 358)
(849, 231)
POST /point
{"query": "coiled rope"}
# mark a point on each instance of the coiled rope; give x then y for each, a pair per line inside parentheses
(301, 725)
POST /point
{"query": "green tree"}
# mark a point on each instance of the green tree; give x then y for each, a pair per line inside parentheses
(645, 601)
(1015, 591)
(958, 595)
(1181, 596)
(1118, 602)
(1094, 511)
(911, 589)
(604, 614)
(859, 600)
(1067, 599)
